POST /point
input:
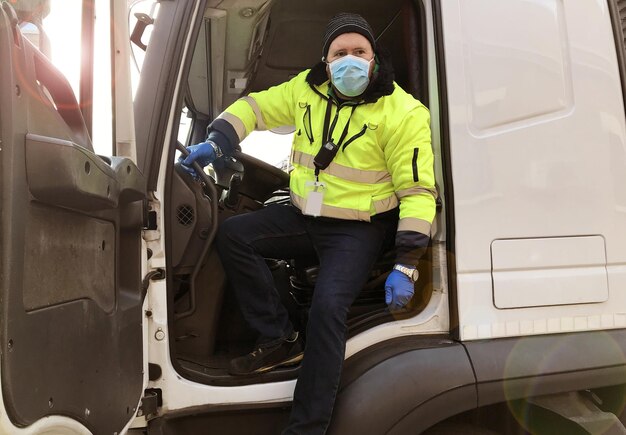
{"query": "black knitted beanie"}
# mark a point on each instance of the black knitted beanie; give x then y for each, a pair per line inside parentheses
(345, 22)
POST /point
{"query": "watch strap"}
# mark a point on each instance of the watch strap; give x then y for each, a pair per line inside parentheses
(216, 148)
(411, 272)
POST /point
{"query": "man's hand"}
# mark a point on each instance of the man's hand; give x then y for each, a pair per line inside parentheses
(203, 153)
(399, 289)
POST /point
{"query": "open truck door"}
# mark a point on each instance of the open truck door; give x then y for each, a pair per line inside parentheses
(70, 277)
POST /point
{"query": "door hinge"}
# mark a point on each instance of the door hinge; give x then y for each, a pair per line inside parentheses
(153, 275)
(149, 217)
(150, 403)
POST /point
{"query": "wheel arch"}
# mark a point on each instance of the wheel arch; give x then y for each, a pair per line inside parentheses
(407, 382)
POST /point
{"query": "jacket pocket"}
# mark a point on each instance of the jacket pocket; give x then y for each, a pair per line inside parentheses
(306, 123)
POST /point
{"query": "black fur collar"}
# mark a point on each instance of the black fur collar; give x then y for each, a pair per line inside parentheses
(381, 85)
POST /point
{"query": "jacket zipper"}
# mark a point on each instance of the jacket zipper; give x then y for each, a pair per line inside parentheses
(356, 136)
(306, 122)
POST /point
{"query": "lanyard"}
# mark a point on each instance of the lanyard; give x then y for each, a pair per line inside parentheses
(329, 149)
(327, 133)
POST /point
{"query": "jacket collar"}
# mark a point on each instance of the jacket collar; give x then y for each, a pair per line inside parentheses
(381, 84)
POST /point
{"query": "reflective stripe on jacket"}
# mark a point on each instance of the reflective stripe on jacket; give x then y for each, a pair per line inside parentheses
(388, 162)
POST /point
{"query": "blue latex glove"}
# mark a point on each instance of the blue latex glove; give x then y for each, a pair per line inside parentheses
(203, 153)
(399, 290)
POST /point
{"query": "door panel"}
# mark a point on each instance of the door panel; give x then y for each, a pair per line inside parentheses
(70, 277)
(537, 145)
(89, 246)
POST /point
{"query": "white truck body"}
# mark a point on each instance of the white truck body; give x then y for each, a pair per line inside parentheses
(523, 291)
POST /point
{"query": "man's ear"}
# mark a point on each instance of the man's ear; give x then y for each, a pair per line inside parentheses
(374, 68)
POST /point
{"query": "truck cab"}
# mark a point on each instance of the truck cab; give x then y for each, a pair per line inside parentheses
(116, 313)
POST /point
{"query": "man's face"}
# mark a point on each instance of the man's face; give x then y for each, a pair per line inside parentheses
(350, 43)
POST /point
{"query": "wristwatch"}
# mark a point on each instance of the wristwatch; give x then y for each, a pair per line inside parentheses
(411, 272)
(217, 149)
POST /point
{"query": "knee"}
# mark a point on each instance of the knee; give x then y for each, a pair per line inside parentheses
(229, 232)
(237, 232)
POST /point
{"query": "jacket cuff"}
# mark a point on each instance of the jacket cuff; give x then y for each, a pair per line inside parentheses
(224, 135)
(410, 247)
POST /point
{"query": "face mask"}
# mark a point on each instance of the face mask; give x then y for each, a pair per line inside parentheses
(350, 75)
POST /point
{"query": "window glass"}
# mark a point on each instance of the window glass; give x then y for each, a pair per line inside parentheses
(146, 11)
(273, 148)
(102, 136)
(63, 27)
(61, 41)
(184, 126)
(31, 32)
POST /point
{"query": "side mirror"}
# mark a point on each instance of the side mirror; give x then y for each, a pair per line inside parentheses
(33, 11)
(31, 14)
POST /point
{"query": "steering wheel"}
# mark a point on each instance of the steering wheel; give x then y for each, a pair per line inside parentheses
(211, 191)
(254, 178)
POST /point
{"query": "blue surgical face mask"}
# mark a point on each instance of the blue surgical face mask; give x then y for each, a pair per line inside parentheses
(350, 75)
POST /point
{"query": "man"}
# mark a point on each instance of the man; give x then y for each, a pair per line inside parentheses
(362, 160)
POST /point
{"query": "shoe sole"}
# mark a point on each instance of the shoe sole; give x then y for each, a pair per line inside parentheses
(292, 361)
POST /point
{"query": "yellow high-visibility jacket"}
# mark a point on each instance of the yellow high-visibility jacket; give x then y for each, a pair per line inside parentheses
(385, 158)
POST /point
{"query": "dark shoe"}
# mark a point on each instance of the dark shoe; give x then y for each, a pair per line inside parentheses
(268, 356)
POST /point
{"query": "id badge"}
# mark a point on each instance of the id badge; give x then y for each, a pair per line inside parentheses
(314, 198)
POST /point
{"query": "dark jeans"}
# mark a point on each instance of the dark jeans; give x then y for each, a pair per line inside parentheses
(346, 251)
